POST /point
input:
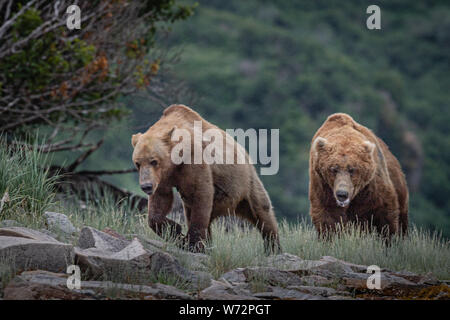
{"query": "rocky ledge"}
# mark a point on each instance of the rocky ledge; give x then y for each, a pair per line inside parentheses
(113, 267)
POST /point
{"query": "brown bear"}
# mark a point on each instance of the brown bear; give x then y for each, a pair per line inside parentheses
(207, 190)
(355, 178)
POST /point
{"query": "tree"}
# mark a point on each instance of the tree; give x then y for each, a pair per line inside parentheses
(69, 81)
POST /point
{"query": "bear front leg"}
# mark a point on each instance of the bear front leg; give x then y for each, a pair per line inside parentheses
(387, 223)
(198, 225)
(326, 221)
(198, 208)
(159, 206)
(195, 184)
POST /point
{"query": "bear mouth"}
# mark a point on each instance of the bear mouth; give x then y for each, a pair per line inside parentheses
(343, 204)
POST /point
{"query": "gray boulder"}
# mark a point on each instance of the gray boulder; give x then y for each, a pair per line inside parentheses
(101, 254)
(219, 290)
(133, 259)
(39, 285)
(29, 249)
(195, 261)
(59, 223)
(290, 262)
(263, 275)
(287, 294)
(21, 232)
(316, 291)
(93, 238)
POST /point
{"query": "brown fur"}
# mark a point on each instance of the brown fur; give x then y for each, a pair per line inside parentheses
(377, 185)
(208, 191)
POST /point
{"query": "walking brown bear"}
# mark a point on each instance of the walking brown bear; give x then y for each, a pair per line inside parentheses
(208, 190)
(355, 178)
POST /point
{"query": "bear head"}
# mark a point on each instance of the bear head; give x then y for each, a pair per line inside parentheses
(151, 156)
(346, 163)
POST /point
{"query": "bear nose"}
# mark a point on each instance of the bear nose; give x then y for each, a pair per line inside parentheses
(147, 188)
(342, 195)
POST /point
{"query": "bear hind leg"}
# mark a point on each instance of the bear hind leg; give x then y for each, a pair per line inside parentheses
(260, 214)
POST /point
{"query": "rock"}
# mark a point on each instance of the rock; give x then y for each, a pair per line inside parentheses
(131, 260)
(114, 234)
(337, 297)
(21, 232)
(53, 235)
(316, 291)
(290, 277)
(37, 285)
(359, 280)
(21, 288)
(269, 276)
(315, 280)
(195, 261)
(331, 269)
(26, 253)
(9, 223)
(234, 276)
(164, 263)
(427, 279)
(286, 294)
(59, 223)
(219, 290)
(107, 255)
(272, 276)
(326, 267)
(353, 278)
(290, 262)
(355, 267)
(93, 238)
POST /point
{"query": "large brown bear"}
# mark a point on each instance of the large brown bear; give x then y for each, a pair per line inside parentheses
(208, 190)
(355, 178)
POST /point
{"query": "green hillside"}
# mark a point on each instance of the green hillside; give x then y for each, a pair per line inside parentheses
(289, 64)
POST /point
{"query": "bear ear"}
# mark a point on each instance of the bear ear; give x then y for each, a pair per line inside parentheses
(168, 136)
(135, 139)
(369, 147)
(319, 144)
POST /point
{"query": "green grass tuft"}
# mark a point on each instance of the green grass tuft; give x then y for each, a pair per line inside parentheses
(26, 181)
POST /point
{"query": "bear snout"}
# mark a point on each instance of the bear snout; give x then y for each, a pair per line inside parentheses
(147, 188)
(342, 195)
(342, 198)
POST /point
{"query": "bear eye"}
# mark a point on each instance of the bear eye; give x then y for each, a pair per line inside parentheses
(138, 165)
(351, 170)
(154, 163)
(334, 170)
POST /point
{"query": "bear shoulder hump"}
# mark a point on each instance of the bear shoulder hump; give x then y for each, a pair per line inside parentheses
(341, 118)
(178, 109)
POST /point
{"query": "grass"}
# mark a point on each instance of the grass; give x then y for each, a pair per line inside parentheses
(25, 184)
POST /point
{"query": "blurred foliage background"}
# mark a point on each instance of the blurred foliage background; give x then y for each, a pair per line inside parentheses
(288, 65)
